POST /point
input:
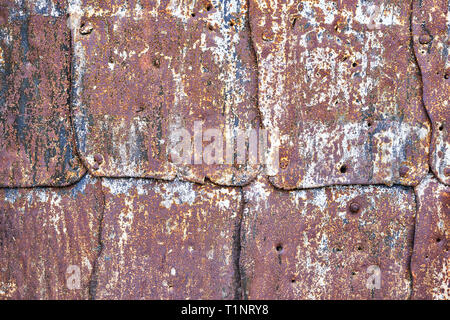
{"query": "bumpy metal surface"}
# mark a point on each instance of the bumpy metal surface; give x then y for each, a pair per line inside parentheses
(358, 91)
(431, 32)
(36, 144)
(145, 69)
(343, 90)
(430, 264)
(168, 240)
(319, 244)
(43, 232)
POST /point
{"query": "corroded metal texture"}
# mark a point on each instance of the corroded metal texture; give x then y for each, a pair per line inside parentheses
(145, 69)
(43, 232)
(343, 90)
(430, 263)
(168, 240)
(431, 31)
(321, 243)
(37, 143)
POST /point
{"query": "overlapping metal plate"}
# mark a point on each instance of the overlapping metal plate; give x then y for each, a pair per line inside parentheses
(431, 31)
(49, 241)
(168, 240)
(37, 143)
(339, 80)
(327, 243)
(144, 69)
(430, 263)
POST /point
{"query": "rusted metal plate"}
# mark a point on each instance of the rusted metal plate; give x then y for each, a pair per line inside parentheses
(37, 143)
(168, 240)
(45, 235)
(339, 80)
(430, 263)
(327, 243)
(145, 69)
(431, 32)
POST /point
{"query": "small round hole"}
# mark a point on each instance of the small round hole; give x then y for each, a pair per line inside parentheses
(279, 248)
(292, 280)
(369, 124)
(446, 76)
(441, 127)
(192, 15)
(359, 248)
(438, 240)
(354, 64)
(343, 169)
(208, 7)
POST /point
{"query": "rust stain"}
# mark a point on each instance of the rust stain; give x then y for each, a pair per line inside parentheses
(430, 263)
(358, 91)
(344, 91)
(144, 70)
(37, 144)
(168, 240)
(43, 231)
(431, 32)
(320, 243)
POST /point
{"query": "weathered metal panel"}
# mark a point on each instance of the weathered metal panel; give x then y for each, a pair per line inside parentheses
(431, 32)
(145, 69)
(430, 263)
(37, 143)
(339, 80)
(168, 240)
(326, 243)
(45, 231)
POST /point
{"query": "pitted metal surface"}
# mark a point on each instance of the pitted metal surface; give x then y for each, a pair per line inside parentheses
(431, 32)
(326, 243)
(145, 69)
(344, 92)
(357, 91)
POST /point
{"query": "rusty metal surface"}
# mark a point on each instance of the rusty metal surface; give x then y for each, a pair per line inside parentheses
(145, 69)
(37, 143)
(431, 32)
(358, 90)
(344, 91)
(168, 240)
(318, 244)
(42, 232)
(430, 263)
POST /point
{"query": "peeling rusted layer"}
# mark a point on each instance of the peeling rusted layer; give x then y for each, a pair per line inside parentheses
(37, 143)
(343, 89)
(319, 243)
(168, 240)
(145, 69)
(431, 30)
(430, 263)
(43, 231)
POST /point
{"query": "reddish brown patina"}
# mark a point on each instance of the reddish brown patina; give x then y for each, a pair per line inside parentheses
(326, 243)
(145, 70)
(357, 90)
(45, 231)
(430, 263)
(37, 144)
(431, 32)
(339, 80)
(169, 240)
